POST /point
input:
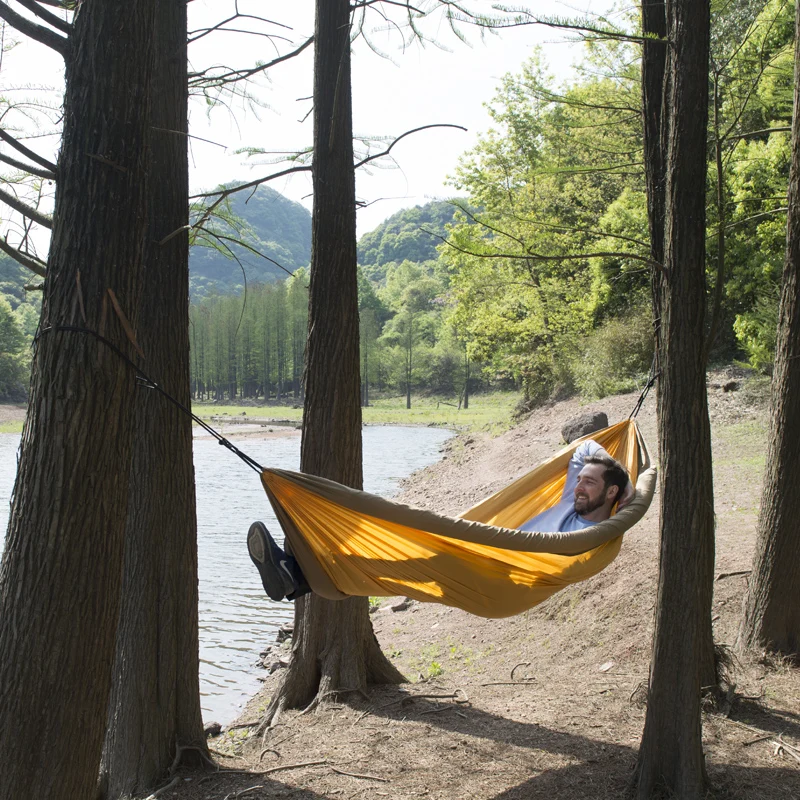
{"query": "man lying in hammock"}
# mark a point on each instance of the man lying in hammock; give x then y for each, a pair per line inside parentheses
(594, 483)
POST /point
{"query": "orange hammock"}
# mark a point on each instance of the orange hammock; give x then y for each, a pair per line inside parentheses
(353, 543)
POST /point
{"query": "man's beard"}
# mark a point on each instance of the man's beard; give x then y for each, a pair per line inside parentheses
(585, 505)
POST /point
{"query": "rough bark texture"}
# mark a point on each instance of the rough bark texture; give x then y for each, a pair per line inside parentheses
(654, 60)
(155, 699)
(334, 646)
(61, 571)
(772, 607)
(671, 754)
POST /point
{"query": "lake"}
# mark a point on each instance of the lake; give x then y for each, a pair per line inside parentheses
(237, 620)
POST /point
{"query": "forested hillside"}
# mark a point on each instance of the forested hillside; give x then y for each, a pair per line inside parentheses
(276, 233)
(412, 234)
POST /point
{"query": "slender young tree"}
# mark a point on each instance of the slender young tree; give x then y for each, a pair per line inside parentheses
(671, 753)
(155, 700)
(61, 571)
(334, 645)
(772, 606)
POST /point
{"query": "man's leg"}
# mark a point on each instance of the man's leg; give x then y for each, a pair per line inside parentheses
(280, 573)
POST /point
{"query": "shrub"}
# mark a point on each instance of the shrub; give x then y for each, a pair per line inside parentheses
(615, 357)
(757, 332)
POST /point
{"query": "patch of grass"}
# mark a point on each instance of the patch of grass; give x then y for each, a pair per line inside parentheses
(487, 412)
(11, 427)
(435, 669)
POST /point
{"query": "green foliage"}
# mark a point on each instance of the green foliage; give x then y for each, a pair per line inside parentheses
(757, 332)
(12, 361)
(616, 357)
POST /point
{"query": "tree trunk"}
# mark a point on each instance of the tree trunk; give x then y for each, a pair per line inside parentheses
(334, 646)
(671, 754)
(656, 116)
(61, 571)
(155, 700)
(772, 607)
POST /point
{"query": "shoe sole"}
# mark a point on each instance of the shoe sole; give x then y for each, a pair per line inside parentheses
(261, 556)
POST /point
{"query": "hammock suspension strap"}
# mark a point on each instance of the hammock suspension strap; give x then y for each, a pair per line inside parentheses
(144, 380)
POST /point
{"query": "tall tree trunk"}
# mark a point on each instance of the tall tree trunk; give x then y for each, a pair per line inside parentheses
(772, 607)
(671, 754)
(656, 116)
(61, 571)
(334, 645)
(155, 699)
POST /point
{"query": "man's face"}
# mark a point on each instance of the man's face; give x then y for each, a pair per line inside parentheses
(590, 493)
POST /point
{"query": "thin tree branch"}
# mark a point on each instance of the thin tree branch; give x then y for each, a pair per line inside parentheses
(28, 261)
(33, 30)
(47, 16)
(200, 79)
(201, 32)
(531, 256)
(246, 246)
(762, 215)
(402, 136)
(40, 173)
(27, 152)
(25, 209)
(781, 128)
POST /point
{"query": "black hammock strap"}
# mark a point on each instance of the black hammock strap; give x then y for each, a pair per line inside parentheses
(648, 386)
(147, 382)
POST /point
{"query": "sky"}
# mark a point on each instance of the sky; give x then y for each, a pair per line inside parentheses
(446, 81)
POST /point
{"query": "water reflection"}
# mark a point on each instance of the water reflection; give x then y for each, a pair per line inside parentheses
(236, 619)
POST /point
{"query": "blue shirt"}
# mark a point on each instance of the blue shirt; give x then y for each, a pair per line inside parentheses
(562, 516)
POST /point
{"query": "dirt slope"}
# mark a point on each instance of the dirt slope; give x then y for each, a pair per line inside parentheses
(547, 704)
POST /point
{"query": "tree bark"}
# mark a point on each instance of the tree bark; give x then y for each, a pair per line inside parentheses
(61, 570)
(772, 606)
(671, 754)
(155, 700)
(334, 646)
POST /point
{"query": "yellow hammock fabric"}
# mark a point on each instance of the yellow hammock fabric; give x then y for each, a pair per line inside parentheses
(353, 543)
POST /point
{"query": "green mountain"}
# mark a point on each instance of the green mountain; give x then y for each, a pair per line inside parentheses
(404, 237)
(276, 227)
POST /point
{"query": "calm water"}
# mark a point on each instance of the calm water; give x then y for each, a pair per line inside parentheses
(236, 619)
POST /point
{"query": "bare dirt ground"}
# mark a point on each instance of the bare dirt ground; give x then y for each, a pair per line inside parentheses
(547, 704)
(12, 412)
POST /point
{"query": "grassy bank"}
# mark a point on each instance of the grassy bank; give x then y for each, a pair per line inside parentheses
(488, 412)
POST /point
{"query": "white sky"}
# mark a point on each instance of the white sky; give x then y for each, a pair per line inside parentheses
(421, 86)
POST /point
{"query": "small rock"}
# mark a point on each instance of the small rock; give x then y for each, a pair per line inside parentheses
(583, 425)
(730, 386)
(285, 632)
(276, 665)
(212, 729)
(606, 667)
(401, 605)
(244, 413)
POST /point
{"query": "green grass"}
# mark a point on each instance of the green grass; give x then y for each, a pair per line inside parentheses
(486, 412)
(10, 427)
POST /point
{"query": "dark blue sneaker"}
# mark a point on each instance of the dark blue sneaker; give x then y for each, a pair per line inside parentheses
(272, 562)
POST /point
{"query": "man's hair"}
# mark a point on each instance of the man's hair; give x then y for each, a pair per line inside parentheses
(613, 475)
